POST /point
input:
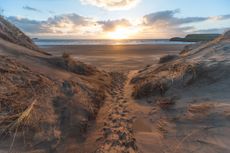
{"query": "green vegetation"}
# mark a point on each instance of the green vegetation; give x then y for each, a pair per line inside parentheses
(196, 37)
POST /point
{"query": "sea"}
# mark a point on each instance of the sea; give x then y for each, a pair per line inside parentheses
(51, 42)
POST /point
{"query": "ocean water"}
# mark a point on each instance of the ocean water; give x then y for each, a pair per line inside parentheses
(50, 42)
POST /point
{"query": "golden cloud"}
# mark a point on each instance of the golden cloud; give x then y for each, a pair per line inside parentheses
(112, 4)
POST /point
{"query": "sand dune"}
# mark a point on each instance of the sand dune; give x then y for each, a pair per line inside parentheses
(11, 33)
(56, 103)
(46, 101)
(186, 96)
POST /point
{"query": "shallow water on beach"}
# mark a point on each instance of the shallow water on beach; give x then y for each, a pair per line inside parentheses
(44, 42)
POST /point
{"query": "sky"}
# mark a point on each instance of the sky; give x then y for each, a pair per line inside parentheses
(117, 19)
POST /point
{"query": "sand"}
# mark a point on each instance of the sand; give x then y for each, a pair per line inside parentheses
(61, 95)
(183, 105)
(118, 57)
(179, 105)
(197, 122)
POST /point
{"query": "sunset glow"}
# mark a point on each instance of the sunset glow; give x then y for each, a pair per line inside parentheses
(122, 33)
(116, 19)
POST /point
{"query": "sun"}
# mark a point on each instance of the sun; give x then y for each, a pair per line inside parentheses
(121, 33)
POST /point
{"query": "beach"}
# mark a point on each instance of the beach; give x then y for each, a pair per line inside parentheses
(147, 97)
(116, 57)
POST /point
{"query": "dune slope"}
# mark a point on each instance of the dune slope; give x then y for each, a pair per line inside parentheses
(188, 100)
(11, 33)
(47, 103)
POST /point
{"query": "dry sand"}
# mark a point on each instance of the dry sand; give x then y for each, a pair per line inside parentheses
(124, 124)
(59, 94)
(198, 121)
(117, 57)
(183, 105)
(58, 104)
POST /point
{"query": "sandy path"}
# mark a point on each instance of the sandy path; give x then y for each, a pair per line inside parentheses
(113, 129)
(118, 131)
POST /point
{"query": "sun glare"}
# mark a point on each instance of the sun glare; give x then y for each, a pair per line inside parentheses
(121, 33)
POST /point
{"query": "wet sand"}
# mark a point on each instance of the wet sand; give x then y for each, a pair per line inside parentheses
(116, 57)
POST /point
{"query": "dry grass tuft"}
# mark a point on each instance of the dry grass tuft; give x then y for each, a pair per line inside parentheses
(149, 89)
(37, 109)
(168, 58)
(24, 101)
(23, 118)
(158, 81)
(200, 108)
(66, 55)
(166, 103)
(70, 64)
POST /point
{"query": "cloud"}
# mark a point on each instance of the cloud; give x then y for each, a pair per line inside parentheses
(166, 24)
(51, 12)
(28, 26)
(176, 26)
(214, 30)
(111, 25)
(221, 17)
(28, 8)
(112, 4)
(162, 24)
(67, 18)
(225, 17)
(66, 24)
(1, 11)
(167, 18)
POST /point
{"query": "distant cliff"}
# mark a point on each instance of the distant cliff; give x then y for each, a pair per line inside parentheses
(196, 37)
